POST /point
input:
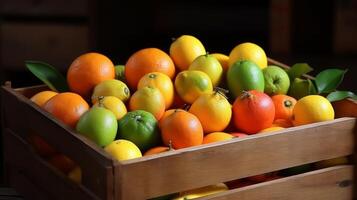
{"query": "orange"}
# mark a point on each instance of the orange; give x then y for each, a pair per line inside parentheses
(182, 129)
(41, 146)
(213, 110)
(162, 82)
(67, 107)
(87, 71)
(271, 129)
(156, 150)
(42, 97)
(216, 137)
(145, 61)
(149, 99)
(62, 163)
(282, 123)
(284, 106)
(166, 114)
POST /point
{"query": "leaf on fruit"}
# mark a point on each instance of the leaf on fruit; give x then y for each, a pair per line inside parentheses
(328, 80)
(339, 95)
(298, 70)
(48, 74)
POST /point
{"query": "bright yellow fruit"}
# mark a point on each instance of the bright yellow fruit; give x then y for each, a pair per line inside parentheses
(115, 105)
(184, 50)
(223, 59)
(111, 88)
(248, 51)
(201, 192)
(213, 110)
(311, 109)
(123, 150)
(162, 82)
(209, 65)
(191, 84)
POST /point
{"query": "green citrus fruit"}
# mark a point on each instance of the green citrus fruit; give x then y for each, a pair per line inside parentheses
(209, 65)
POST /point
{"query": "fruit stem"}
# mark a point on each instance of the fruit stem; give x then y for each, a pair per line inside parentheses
(288, 103)
(245, 94)
(221, 91)
(170, 145)
(152, 75)
(137, 117)
(100, 101)
(186, 107)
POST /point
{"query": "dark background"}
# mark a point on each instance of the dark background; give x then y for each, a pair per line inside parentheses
(321, 33)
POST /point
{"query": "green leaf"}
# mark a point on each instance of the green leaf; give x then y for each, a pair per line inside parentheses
(48, 74)
(298, 70)
(328, 80)
(339, 95)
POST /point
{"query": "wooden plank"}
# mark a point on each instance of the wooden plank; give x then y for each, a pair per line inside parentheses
(98, 177)
(203, 165)
(38, 173)
(327, 184)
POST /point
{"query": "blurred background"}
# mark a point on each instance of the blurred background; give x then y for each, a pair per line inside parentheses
(320, 33)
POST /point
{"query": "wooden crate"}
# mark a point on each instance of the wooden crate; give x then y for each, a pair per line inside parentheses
(179, 170)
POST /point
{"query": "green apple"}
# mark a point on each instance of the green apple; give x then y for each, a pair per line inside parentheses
(209, 65)
(99, 125)
(300, 88)
(119, 72)
(244, 76)
(276, 80)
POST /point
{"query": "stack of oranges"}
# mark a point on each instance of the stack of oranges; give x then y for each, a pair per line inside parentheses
(185, 92)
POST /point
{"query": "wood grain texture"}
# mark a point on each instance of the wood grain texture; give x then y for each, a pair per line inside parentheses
(195, 167)
(328, 184)
(23, 117)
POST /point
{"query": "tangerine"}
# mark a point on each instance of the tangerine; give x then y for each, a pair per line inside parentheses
(87, 71)
(145, 61)
(216, 137)
(42, 97)
(284, 106)
(67, 107)
(182, 129)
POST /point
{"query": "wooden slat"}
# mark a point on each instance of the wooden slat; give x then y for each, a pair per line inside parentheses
(23, 117)
(194, 167)
(38, 173)
(328, 184)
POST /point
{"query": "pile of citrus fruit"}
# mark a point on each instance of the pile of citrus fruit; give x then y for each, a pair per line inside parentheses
(161, 101)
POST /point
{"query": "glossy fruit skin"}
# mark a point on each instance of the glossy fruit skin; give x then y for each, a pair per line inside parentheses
(112, 87)
(203, 191)
(244, 76)
(209, 65)
(156, 150)
(113, 104)
(276, 80)
(223, 59)
(183, 129)
(284, 106)
(184, 50)
(191, 84)
(87, 71)
(213, 110)
(141, 128)
(253, 111)
(145, 61)
(99, 125)
(162, 82)
(42, 97)
(123, 150)
(149, 99)
(216, 137)
(248, 51)
(67, 107)
(311, 109)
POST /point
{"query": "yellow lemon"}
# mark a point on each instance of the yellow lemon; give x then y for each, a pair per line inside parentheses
(42, 97)
(203, 191)
(311, 109)
(248, 51)
(123, 150)
(75, 174)
(191, 84)
(209, 65)
(113, 104)
(223, 59)
(162, 82)
(111, 88)
(184, 50)
(213, 110)
(270, 129)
